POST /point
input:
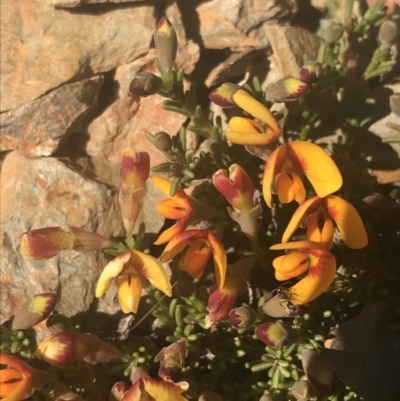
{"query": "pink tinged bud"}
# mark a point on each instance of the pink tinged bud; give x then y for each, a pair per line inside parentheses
(34, 311)
(166, 43)
(145, 84)
(63, 348)
(172, 359)
(286, 89)
(135, 169)
(86, 241)
(238, 188)
(130, 203)
(276, 334)
(219, 304)
(310, 72)
(222, 96)
(319, 374)
(242, 317)
(44, 243)
(394, 103)
(118, 391)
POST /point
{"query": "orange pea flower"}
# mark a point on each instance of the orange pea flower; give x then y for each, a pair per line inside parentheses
(244, 131)
(307, 257)
(202, 245)
(129, 268)
(177, 207)
(289, 162)
(15, 379)
(320, 214)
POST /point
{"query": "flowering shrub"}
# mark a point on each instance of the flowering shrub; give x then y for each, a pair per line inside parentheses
(249, 251)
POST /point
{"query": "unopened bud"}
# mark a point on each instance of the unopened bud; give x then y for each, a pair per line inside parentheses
(210, 396)
(145, 84)
(222, 96)
(63, 348)
(118, 390)
(333, 32)
(162, 141)
(86, 241)
(310, 72)
(276, 334)
(44, 243)
(59, 322)
(394, 103)
(34, 311)
(388, 33)
(172, 359)
(286, 89)
(166, 43)
(302, 390)
(242, 317)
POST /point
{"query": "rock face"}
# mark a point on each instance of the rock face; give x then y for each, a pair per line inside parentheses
(44, 192)
(43, 47)
(40, 126)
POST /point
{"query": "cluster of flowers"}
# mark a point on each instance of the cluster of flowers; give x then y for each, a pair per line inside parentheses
(285, 168)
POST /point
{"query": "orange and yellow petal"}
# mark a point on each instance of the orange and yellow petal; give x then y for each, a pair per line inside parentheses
(301, 213)
(320, 228)
(320, 276)
(15, 381)
(151, 268)
(110, 272)
(317, 166)
(220, 259)
(291, 265)
(195, 259)
(164, 185)
(348, 221)
(289, 187)
(147, 389)
(269, 174)
(178, 243)
(170, 209)
(255, 108)
(173, 231)
(129, 292)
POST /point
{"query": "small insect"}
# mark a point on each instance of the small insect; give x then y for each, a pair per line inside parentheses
(285, 294)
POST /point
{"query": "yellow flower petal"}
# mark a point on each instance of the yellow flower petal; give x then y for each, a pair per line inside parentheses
(269, 174)
(301, 213)
(169, 209)
(298, 245)
(320, 229)
(292, 264)
(220, 259)
(290, 187)
(171, 232)
(163, 391)
(320, 276)
(154, 271)
(164, 185)
(349, 222)
(318, 167)
(252, 106)
(110, 272)
(195, 259)
(129, 292)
